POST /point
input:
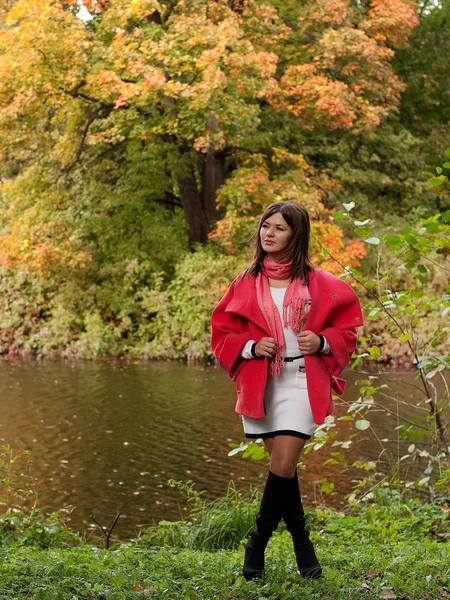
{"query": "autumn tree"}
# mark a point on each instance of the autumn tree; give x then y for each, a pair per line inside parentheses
(128, 138)
(187, 82)
(192, 80)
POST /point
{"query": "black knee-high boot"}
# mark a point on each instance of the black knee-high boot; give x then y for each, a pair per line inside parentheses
(267, 519)
(294, 517)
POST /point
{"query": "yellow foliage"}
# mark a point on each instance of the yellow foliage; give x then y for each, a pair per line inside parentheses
(329, 236)
(37, 238)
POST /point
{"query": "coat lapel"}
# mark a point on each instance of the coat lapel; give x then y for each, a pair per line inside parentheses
(245, 304)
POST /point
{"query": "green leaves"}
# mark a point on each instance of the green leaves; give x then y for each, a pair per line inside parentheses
(405, 338)
(438, 180)
(441, 180)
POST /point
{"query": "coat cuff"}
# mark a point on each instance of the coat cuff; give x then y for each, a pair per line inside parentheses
(247, 349)
(342, 344)
(326, 346)
(229, 355)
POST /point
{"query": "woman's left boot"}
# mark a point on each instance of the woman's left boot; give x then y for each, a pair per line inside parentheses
(294, 517)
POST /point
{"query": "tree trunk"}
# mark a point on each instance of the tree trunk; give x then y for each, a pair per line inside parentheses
(199, 206)
(212, 174)
(193, 209)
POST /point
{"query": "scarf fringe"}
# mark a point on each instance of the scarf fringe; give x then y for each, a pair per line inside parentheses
(277, 362)
(294, 314)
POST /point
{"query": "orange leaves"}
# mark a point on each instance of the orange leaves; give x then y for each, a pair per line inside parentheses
(354, 251)
(329, 236)
(36, 237)
(246, 189)
(254, 186)
(33, 247)
(122, 100)
(332, 13)
(202, 62)
(315, 98)
(91, 5)
(210, 139)
(336, 12)
(349, 80)
(231, 231)
(391, 21)
(349, 54)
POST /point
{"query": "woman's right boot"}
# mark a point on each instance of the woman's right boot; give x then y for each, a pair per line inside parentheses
(294, 517)
(270, 513)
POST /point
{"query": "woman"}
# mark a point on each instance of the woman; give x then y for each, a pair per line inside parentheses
(284, 331)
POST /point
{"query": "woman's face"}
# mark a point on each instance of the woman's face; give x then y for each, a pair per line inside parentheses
(275, 235)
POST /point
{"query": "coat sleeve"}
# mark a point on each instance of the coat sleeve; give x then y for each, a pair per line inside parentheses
(340, 327)
(228, 336)
(342, 344)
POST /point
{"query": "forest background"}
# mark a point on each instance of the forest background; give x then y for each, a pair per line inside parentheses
(139, 143)
(141, 140)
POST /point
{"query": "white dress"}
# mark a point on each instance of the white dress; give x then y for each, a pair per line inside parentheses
(286, 401)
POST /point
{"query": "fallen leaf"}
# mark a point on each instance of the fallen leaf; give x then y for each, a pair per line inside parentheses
(372, 573)
(138, 588)
(444, 593)
(365, 586)
(387, 594)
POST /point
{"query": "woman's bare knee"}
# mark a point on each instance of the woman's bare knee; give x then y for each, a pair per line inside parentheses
(285, 455)
(283, 466)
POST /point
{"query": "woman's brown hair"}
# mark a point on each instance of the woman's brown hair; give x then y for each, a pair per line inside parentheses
(297, 249)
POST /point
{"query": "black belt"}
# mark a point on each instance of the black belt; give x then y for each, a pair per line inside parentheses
(291, 358)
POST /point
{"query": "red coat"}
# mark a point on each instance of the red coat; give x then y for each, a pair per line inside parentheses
(335, 313)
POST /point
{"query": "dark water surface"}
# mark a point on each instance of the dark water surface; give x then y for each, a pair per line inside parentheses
(108, 437)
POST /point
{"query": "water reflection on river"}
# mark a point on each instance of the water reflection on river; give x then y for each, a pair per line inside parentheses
(107, 437)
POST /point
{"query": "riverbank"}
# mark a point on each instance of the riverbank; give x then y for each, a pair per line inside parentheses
(395, 551)
(53, 319)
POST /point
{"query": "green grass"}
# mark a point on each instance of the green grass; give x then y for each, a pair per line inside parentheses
(368, 552)
(416, 570)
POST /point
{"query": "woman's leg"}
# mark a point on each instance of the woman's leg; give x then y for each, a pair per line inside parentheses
(268, 443)
(285, 453)
(281, 500)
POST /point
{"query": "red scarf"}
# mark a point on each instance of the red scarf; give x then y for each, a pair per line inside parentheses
(294, 306)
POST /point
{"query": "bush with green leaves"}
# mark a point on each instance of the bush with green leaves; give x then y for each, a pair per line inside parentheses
(181, 323)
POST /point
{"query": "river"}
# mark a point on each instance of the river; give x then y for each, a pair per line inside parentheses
(106, 437)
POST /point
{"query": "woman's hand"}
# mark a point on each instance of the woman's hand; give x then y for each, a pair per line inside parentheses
(266, 346)
(308, 342)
